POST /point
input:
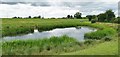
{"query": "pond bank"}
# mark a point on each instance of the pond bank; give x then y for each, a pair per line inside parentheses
(75, 32)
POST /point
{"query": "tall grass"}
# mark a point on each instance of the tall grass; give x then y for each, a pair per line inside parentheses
(40, 46)
(100, 34)
(12, 27)
(46, 46)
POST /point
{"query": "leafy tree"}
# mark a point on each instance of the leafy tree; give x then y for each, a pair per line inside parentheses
(15, 17)
(109, 15)
(29, 16)
(102, 17)
(68, 16)
(78, 15)
(39, 16)
(94, 16)
(89, 17)
(34, 17)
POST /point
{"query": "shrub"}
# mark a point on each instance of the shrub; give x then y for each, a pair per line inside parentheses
(117, 20)
(93, 21)
(88, 41)
(107, 38)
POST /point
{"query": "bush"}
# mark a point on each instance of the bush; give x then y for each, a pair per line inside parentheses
(93, 21)
(117, 20)
(107, 38)
(88, 41)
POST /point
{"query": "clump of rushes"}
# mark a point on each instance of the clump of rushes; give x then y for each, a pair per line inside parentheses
(27, 47)
(100, 33)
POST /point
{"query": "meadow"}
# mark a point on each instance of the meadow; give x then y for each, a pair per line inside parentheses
(12, 27)
(95, 42)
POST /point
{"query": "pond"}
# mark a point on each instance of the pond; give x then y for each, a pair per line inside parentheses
(75, 32)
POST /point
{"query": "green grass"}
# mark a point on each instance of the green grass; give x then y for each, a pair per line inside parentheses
(12, 27)
(100, 33)
(106, 48)
(53, 45)
(58, 45)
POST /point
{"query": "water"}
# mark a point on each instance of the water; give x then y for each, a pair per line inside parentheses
(77, 33)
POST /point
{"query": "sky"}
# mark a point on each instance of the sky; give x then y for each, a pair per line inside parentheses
(55, 8)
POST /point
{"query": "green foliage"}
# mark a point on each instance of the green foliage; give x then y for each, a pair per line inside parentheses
(93, 21)
(116, 20)
(12, 27)
(89, 41)
(107, 38)
(53, 45)
(100, 33)
(27, 47)
(101, 17)
(107, 16)
(89, 17)
(106, 48)
(78, 15)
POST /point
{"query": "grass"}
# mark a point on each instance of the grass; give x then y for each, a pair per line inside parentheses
(106, 48)
(100, 33)
(46, 46)
(22, 26)
(58, 45)
(41, 46)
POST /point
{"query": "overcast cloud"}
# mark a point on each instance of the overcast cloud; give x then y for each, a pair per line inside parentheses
(55, 8)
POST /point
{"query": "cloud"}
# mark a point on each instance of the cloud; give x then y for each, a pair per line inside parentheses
(55, 8)
(60, 0)
(24, 10)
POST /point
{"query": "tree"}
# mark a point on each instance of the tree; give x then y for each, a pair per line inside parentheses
(118, 17)
(89, 17)
(78, 15)
(34, 17)
(94, 17)
(15, 17)
(109, 15)
(101, 17)
(29, 16)
(68, 16)
(39, 16)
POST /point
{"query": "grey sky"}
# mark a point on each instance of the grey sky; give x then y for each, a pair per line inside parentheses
(55, 8)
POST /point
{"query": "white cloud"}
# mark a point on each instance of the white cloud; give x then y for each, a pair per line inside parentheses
(60, 0)
(56, 8)
(24, 10)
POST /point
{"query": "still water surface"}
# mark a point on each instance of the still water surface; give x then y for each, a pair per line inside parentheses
(74, 32)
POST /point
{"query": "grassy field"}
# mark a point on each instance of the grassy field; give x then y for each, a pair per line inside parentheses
(21, 26)
(106, 48)
(64, 44)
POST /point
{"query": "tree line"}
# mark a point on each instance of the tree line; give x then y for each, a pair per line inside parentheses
(107, 16)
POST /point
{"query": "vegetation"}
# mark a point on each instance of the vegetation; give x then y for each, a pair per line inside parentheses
(89, 17)
(22, 26)
(100, 33)
(107, 16)
(46, 46)
(58, 45)
(106, 48)
(69, 16)
(78, 15)
(101, 42)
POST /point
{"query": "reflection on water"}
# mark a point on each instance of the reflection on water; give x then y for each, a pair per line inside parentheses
(77, 33)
